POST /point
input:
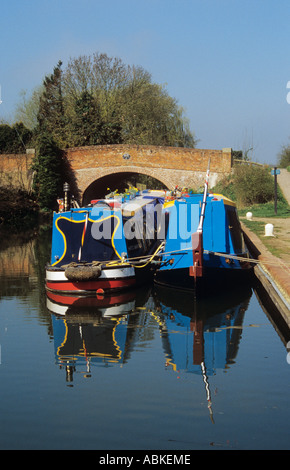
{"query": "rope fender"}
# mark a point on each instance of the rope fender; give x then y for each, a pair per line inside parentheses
(82, 272)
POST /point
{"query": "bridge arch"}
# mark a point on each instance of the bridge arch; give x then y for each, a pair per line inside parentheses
(121, 180)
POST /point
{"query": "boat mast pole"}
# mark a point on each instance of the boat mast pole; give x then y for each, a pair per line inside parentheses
(201, 220)
(197, 240)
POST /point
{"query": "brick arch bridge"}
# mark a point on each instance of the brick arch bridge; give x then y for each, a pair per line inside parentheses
(94, 167)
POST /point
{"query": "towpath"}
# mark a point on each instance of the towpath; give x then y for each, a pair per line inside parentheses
(284, 182)
(275, 268)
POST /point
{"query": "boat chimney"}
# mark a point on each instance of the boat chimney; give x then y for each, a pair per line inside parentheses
(66, 198)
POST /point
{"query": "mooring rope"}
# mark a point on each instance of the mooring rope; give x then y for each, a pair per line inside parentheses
(149, 258)
(251, 260)
(234, 257)
(129, 261)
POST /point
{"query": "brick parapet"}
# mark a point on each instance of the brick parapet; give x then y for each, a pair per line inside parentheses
(170, 165)
(150, 157)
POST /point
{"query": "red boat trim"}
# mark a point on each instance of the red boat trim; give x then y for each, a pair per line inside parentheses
(109, 284)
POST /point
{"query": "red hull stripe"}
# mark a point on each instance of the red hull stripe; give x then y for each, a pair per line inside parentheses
(90, 285)
(97, 301)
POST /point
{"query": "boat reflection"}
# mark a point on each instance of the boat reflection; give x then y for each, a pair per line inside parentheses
(197, 337)
(90, 330)
(213, 329)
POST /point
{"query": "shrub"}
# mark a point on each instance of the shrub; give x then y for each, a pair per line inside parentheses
(247, 185)
(284, 157)
(225, 187)
(253, 185)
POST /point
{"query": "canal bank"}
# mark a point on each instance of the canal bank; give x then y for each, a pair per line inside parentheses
(271, 272)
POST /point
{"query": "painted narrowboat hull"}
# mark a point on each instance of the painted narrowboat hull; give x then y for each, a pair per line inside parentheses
(213, 280)
(222, 258)
(109, 280)
(102, 248)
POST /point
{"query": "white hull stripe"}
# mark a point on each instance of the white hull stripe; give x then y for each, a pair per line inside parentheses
(105, 274)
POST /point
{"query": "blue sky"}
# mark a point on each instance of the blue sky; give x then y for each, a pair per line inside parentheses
(227, 62)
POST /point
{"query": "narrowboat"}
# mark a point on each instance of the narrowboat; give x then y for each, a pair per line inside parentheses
(203, 246)
(105, 246)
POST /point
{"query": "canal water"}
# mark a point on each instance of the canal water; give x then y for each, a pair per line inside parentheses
(150, 369)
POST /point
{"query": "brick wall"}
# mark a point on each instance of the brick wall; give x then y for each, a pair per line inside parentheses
(170, 165)
(15, 170)
(150, 157)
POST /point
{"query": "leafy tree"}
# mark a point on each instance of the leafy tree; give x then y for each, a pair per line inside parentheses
(7, 138)
(27, 109)
(284, 157)
(23, 137)
(132, 109)
(14, 139)
(102, 78)
(100, 100)
(51, 114)
(47, 167)
(88, 126)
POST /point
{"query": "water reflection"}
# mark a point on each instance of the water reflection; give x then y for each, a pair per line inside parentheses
(90, 331)
(143, 341)
(197, 337)
(201, 336)
(17, 262)
(213, 327)
(22, 275)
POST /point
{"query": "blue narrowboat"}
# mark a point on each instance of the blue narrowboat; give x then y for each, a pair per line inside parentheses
(106, 246)
(204, 246)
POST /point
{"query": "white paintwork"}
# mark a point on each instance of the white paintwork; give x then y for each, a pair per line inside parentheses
(105, 274)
